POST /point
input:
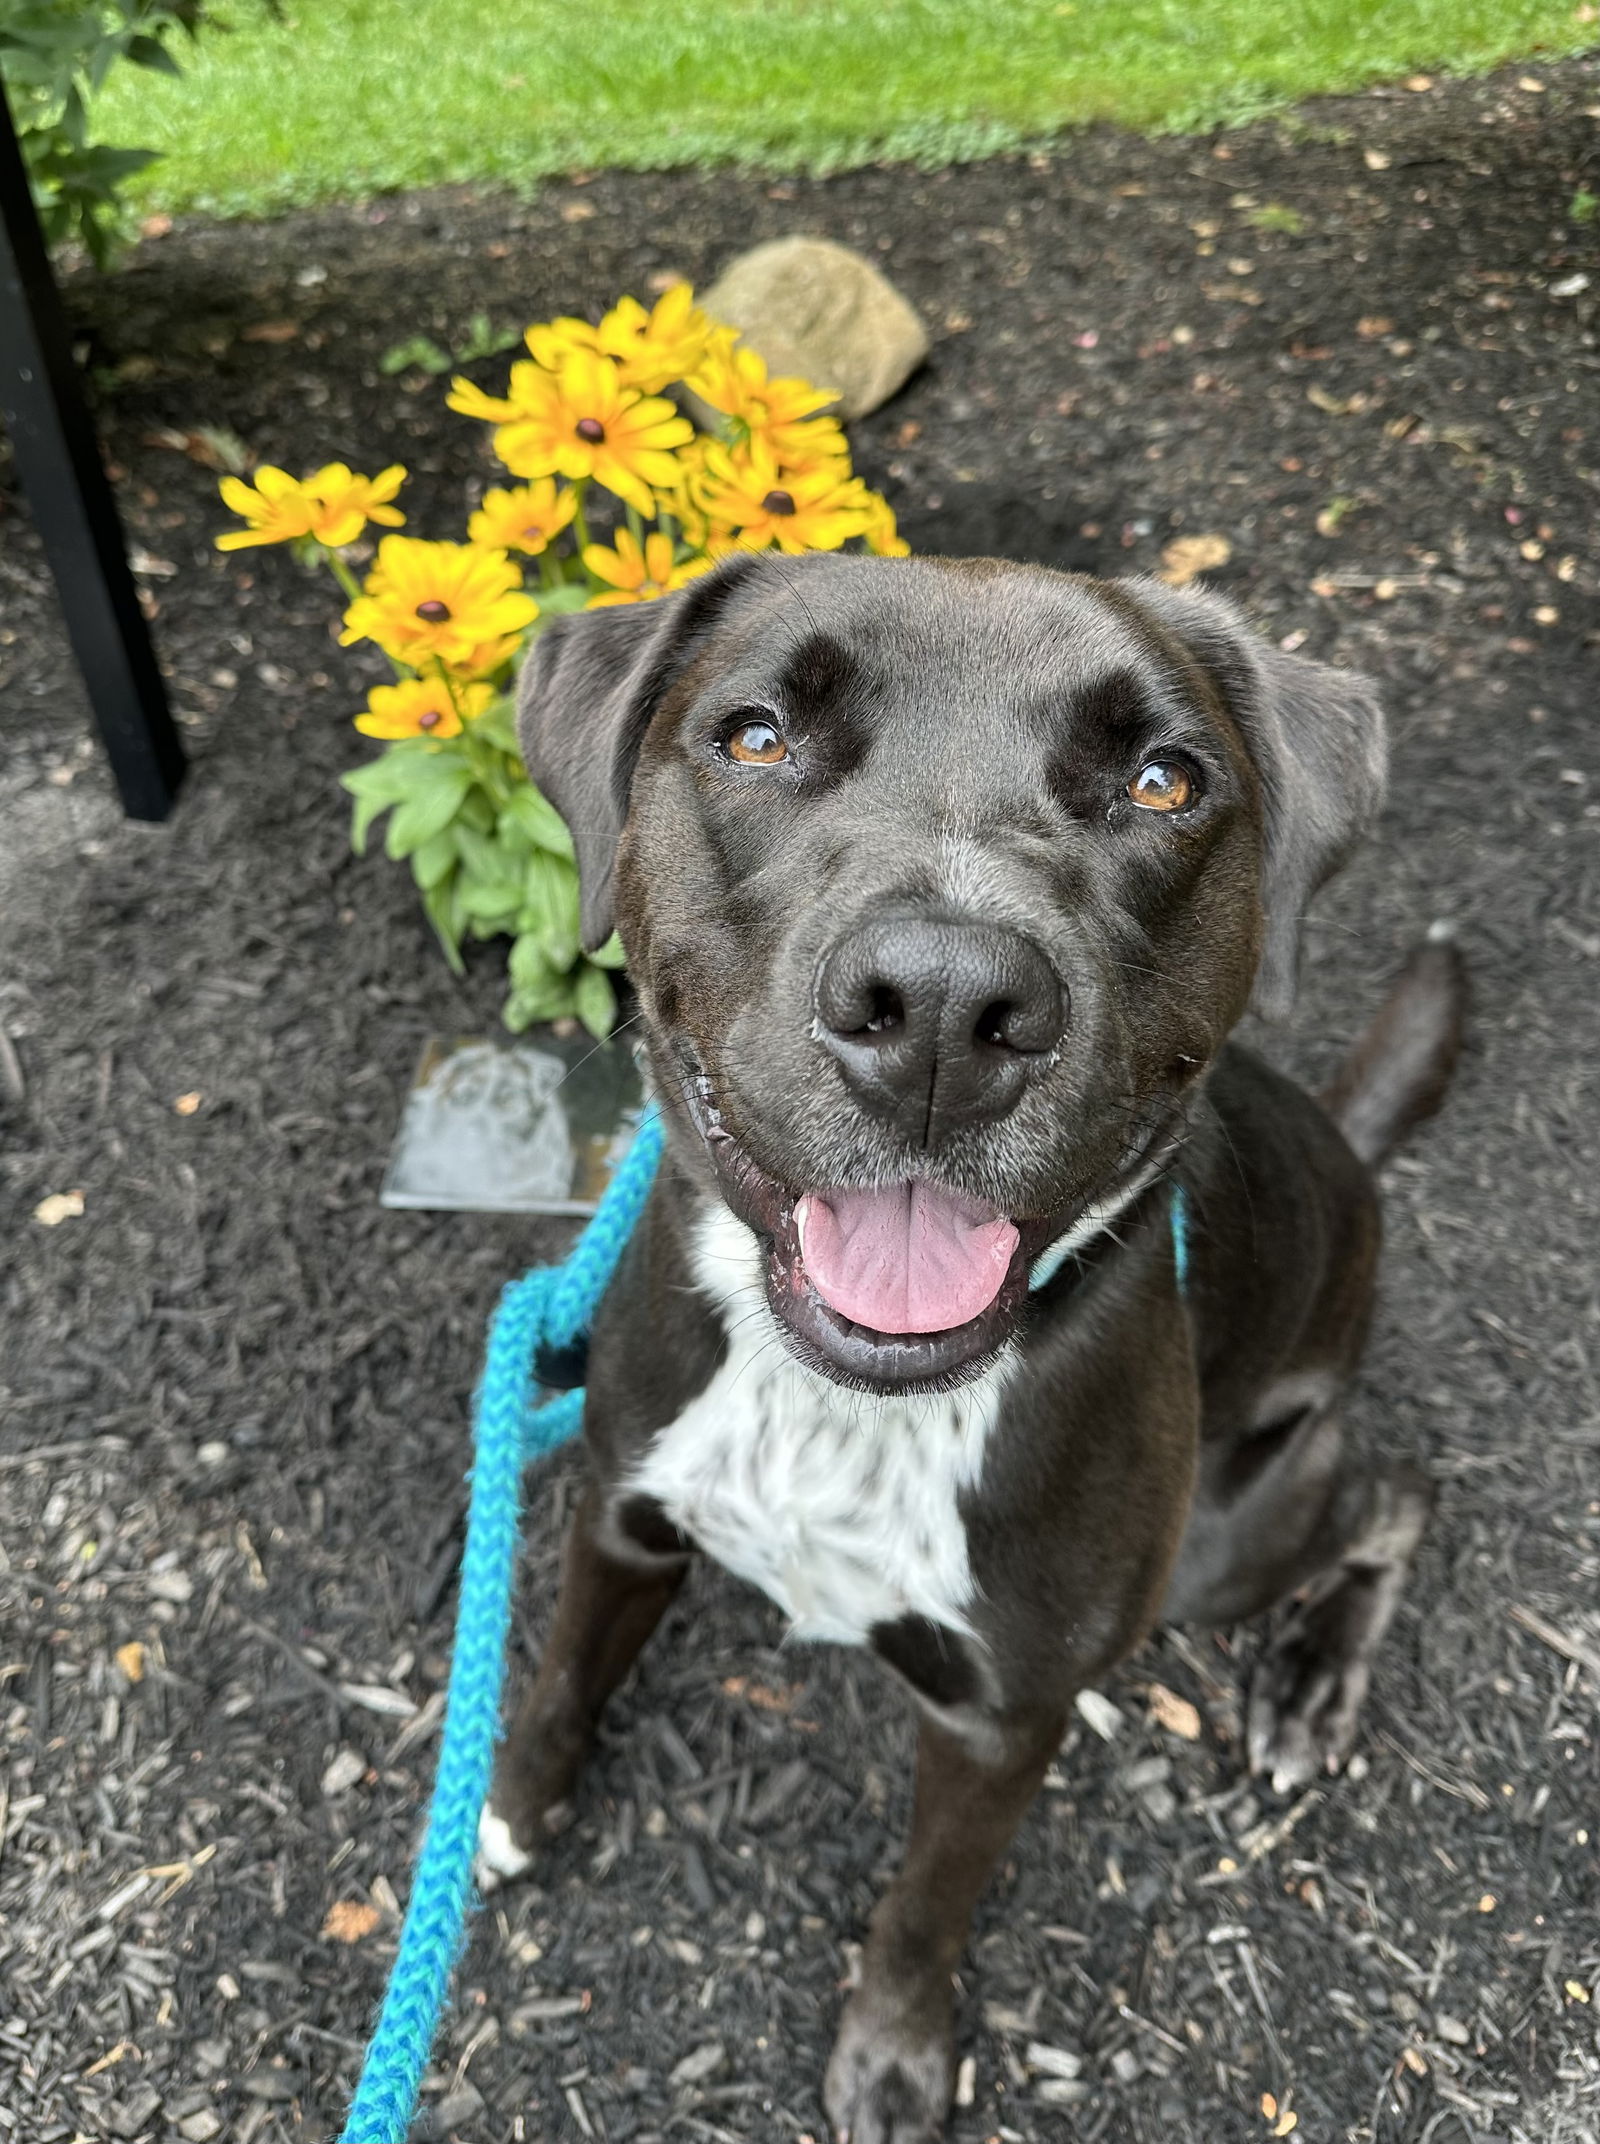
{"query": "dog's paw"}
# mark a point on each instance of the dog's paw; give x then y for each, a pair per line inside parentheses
(1305, 1704)
(889, 2081)
(499, 1858)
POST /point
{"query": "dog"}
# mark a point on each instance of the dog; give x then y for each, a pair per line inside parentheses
(990, 1305)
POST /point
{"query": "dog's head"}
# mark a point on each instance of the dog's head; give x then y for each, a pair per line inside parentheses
(941, 884)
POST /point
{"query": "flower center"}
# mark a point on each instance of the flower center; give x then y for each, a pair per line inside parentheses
(429, 719)
(778, 502)
(433, 611)
(591, 429)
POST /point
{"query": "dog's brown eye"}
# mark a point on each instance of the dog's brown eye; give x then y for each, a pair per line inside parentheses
(757, 744)
(1162, 785)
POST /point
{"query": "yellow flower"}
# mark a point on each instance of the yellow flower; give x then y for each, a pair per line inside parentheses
(780, 415)
(805, 445)
(581, 422)
(638, 575)
(680, 498)
(882, 530)
(446, 602)
(667, 343)
(552, 342)
(422, 707)
(332, 505)
(278, 510)
(526, 519)
(798, 510)
(346, 503)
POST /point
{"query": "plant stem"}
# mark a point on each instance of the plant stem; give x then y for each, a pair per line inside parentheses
(352, 588)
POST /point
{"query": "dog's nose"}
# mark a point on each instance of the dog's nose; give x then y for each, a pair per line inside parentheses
(937, 1025)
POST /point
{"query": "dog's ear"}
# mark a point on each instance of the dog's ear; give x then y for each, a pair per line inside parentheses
(589, 687)
(1317, 737)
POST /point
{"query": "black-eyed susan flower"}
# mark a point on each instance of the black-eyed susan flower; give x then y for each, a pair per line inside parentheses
(882, 530)
(551, 342)
(279, 508)
(638, 573)
(452, 603)
(680, 499)
(581, 422)
(346, 503)
(527, 518)
(652, 348)
(331, 506)
(422, 707)
(782, 415)
(748, 493)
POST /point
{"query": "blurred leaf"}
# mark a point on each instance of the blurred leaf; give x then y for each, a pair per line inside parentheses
(419, 354)
(540, 821)
(482, 340)
(594, 1001)
(436, 857)
(430, 807)
(553, 602)
(440, 909)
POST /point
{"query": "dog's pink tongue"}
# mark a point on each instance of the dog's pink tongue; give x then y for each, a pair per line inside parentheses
(911, 1258)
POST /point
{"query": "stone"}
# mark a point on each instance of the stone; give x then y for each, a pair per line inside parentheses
(343, 1771)
(701, 2064)
(822, 313)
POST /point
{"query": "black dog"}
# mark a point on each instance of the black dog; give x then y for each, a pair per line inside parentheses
(942, 885)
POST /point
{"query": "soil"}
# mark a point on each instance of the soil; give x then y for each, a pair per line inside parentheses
(235, 1392)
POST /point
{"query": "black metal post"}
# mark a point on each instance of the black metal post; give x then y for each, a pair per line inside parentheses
(58, 458)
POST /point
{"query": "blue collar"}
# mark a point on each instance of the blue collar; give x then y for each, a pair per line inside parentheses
(1050, 1261)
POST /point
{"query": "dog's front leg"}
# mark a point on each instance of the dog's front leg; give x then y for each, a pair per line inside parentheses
(890, 2075)
(617, 1582)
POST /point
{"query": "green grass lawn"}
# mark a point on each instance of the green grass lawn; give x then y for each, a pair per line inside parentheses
(347, 97)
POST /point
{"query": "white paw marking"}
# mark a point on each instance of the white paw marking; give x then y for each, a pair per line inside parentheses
(499, 1857)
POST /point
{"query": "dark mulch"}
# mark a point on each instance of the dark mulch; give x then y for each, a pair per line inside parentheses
(244, 1387)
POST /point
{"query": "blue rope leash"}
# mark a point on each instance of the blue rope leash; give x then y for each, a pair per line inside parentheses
(552, 1308)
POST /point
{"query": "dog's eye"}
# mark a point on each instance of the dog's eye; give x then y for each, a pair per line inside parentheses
(1163, 785)
(757, 744)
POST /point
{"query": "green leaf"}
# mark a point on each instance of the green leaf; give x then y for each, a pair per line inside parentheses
(522, 1008)
(550, 908)
(151, 52)
(594, 1001)
(419, 353)
(367, 809)
(392, 776)
(561, 932)
(435, 859)
(498, 725)
(441, 913)
(526, 964)
(556, 602)
(429, 809)
(494, 901)
(540, 821)
(610, 955)
(478, 812)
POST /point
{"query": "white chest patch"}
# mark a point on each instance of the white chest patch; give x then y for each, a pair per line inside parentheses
(840, 1506)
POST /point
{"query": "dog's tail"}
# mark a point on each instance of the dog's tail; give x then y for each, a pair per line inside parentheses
(1396, 1075)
